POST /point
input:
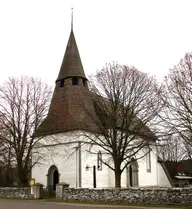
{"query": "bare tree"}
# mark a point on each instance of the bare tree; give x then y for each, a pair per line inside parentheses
(126, 103)
(5, 159)
(172, 148)
(177, 113)
(23, 105)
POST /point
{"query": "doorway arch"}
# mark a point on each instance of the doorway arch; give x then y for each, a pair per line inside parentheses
(52, 178)
(132, 174)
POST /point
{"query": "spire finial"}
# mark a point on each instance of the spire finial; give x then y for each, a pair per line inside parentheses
(71, 17)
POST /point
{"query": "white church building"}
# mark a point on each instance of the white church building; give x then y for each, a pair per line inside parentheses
(65, 155)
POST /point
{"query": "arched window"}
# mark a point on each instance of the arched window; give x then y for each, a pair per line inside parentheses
(99, 160)
(148, 160)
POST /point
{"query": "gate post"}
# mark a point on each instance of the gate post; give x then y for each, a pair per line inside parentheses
(60, 189)
(37, 191)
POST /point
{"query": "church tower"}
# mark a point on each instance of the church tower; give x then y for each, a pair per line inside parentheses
(71, 103)
(71, 71)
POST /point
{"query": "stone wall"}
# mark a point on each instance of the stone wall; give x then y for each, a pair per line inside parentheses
(15, 192)
(176, 196)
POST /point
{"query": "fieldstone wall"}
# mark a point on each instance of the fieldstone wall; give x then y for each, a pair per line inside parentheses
(174, 196)
(15, 192)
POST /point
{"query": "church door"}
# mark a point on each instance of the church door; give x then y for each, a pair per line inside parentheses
(55, 179)
(52, 178)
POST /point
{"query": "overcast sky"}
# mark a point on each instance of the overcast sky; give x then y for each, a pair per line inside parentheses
(152, 35)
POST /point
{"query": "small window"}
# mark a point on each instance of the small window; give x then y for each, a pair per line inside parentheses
(62, 83)
(148, 161)
(75, 81)
(84, 82)
(99, 161)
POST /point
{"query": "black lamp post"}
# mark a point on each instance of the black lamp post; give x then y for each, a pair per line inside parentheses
(94, 174)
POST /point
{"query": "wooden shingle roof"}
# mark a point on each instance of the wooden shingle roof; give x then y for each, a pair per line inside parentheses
(71, 65)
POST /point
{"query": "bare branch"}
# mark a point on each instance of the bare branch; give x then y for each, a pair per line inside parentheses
(24, 103)
(126, 103)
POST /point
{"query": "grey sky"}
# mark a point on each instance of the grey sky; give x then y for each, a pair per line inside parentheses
(151, 35)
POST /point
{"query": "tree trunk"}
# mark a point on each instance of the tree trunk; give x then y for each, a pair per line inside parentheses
(117, 177)
(22, 177)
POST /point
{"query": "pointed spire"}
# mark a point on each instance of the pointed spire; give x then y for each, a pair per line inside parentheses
(72, 18)
(71, 65)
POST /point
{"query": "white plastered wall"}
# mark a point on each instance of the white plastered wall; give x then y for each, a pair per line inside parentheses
(163, 181)
(59, 157)
(59, 150)
(148, 178)
(102, 175)
(64, 155)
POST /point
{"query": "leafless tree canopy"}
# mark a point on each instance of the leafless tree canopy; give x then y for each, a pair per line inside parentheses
(177, 114)
(127, 104)
(23, 105)
(172, 148)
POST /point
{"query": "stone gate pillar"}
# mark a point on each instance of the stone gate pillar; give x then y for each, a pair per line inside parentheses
(37, 191)
(60, 189)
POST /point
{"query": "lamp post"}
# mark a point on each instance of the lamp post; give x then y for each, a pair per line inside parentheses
(94, 174)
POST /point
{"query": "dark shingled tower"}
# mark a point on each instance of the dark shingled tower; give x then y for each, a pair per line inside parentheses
(71, 104)
(71, 65)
